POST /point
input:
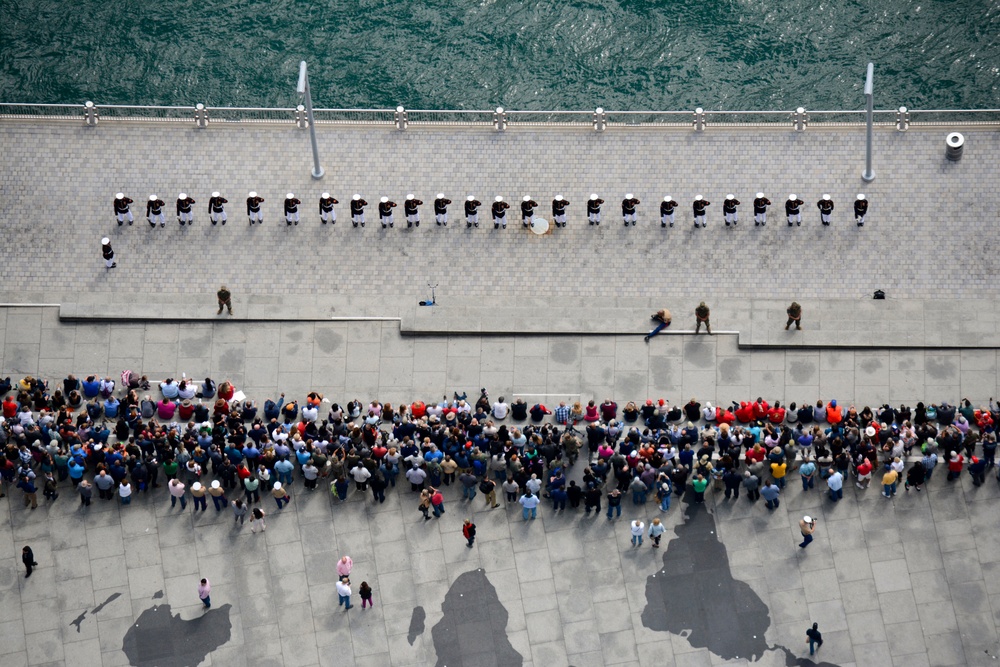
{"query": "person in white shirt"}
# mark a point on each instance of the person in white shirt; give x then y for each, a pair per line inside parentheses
(310, 414)
(344, 593)
(500, 409)
(361, 476)
(638, 529)
(708, 412)
(529, 505)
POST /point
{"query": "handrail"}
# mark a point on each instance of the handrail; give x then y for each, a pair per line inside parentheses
(499, 118)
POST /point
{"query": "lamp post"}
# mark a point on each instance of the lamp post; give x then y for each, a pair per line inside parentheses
(868, 175)
(303, 89)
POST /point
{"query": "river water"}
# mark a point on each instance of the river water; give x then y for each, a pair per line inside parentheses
(466, 54)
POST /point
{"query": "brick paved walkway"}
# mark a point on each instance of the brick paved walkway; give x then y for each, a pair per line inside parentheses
(930, 230)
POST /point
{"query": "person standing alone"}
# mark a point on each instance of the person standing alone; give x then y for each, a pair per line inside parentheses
(794, 313)
(204, 593)
(108, 253)
(225, 300)
(807, 526)
(28, 558)
(469, 532)
(702, 315)
(814, 638)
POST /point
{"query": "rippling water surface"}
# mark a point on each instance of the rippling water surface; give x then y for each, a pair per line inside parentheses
(441, 54)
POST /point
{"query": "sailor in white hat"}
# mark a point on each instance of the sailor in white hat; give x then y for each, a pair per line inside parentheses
(385, 211)
(667, 208)
(699, 206)
(594, 209)
(729, 210)
(472, 211)
(185, 213)
(441, 210)
(559, 205)
(528, 206)
(154, 211)
(860, 210)
(253, 208)
(358, 210)
(109, 254)
(411, 211)
(499, 211)
(792, 210)
(760, 204)
(807, 526)
(121, 209)
(326, 212)
(628, 209)
(217, 208)
(825, 206)
(291, 209)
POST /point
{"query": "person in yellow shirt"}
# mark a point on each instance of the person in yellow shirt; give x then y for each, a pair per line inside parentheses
(889, 480)
(778, 471)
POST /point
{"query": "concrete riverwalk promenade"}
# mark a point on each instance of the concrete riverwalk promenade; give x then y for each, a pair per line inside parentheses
(905, 581)
(929, 233)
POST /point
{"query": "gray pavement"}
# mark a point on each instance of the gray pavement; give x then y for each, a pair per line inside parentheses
(906, 582)
(928, 236)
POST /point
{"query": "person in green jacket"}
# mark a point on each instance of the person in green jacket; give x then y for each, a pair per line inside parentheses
(170, 469)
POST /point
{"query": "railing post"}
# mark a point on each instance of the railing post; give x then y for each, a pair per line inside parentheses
(401, 118)
(800, 119)
(699, 120)
(201, 115)
(90, 113)
(301, 121)
(902, 119)
(868, 175)
(600, 119)
(500, 119)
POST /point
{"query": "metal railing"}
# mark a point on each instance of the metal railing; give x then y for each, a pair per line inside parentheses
(501, 119)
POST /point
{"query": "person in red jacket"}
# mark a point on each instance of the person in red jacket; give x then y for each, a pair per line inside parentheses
(760, 408)
(955, 466)
(724, 416)
(834, 413)
(745, 412)
(418, 409)
(776, 415)
(469, 532)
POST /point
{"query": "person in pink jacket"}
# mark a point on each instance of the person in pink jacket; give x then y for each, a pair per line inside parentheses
(166, 408)
(344, 566)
